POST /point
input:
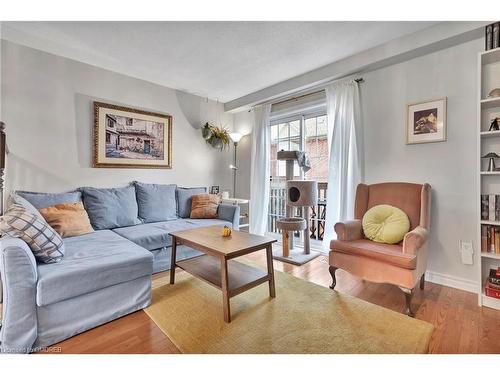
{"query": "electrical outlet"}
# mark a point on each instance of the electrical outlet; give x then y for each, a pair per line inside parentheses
(466, 252)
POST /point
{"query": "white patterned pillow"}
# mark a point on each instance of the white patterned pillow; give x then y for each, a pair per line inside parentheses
(46, 244)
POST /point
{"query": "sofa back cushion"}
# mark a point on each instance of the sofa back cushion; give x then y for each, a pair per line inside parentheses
(184, 200)
(42, 200)
(403, 195)
(156, 202)
(111, 208)
(68, 219)
(17, 199)
(47, 246)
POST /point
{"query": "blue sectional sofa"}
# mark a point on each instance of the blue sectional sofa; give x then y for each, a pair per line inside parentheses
(103, 275)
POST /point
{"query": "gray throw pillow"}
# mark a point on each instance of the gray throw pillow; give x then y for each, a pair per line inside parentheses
(111, 208)
(156, 202)
(184, 200)
(43, 200)
(47, 246)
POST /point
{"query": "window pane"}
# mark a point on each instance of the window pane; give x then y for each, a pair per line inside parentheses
(281, 168)
(295, 128)
(296, 171)
(311, 147)
(311, 127)
(274, 149)
(322, 126)
(283, 145)
(283, 130)
(274, 132)
(295, 144)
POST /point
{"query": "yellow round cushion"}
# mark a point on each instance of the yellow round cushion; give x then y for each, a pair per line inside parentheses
(385, 224)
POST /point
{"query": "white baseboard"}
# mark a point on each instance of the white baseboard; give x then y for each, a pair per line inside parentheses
(451, 281)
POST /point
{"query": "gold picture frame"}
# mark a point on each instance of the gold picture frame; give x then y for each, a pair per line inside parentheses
(426, 121)
(126, 137)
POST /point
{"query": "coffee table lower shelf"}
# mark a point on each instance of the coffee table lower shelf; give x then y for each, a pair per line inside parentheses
(208, 268)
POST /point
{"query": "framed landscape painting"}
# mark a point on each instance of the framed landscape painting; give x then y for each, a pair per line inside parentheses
(426, 122)
(131, 138)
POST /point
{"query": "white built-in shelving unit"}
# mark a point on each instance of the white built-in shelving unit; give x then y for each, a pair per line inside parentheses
(488, 182)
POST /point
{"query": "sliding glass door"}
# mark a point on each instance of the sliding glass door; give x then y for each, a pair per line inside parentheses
(305, 132)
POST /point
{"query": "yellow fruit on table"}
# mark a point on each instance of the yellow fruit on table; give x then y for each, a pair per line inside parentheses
(226, 231)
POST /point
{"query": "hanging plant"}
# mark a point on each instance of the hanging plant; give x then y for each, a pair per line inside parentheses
(217, 137)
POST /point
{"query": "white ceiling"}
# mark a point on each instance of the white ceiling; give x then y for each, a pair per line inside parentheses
(220, 60)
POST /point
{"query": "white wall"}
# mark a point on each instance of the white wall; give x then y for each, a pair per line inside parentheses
(47, 106)
(450, 167)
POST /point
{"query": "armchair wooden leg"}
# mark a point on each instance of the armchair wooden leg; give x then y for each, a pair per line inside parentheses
(334, 279)
(422, 282)
(408, 297)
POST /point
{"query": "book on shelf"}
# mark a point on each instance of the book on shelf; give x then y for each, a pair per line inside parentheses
(488, 37)
(496, 35)
(494, 278)
(492, 285)
(490, 239)
(490, 207)
(490, 292)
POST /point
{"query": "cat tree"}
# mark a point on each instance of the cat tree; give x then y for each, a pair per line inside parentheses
(299, 193)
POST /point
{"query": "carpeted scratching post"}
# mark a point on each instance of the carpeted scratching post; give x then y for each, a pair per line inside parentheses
(299, 193)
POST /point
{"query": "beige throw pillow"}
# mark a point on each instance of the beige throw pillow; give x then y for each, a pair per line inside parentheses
(204, 206)
(68, 219)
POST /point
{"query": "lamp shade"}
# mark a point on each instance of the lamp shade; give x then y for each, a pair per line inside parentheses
(491, 155)
(235, 137)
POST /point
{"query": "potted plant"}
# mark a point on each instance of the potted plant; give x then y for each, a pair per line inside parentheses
(217, 137)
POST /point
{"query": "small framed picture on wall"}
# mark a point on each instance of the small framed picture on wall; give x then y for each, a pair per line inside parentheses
(426, 122)
(214, 189)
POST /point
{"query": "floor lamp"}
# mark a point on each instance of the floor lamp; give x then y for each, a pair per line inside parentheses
(3, 155)
(235, 137)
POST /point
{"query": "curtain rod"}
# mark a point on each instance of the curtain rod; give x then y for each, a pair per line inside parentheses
(294, 98)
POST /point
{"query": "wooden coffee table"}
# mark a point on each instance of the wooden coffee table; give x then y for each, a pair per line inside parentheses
(216, 266)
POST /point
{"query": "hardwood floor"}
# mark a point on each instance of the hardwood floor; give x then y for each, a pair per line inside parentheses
(460, 325)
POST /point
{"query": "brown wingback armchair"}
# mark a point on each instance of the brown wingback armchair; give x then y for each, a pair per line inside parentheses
(401, 264)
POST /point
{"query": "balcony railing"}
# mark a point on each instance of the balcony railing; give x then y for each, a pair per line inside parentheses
(277, 203)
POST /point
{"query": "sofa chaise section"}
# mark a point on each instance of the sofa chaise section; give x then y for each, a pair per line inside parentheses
(93, 261)
(103, 276)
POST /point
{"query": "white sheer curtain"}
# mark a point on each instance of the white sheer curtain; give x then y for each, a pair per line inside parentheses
(259, 174)
(345, 139)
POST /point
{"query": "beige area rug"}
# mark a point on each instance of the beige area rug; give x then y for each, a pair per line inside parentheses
(303, 318)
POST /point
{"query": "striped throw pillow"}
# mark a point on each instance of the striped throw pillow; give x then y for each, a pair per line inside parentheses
(46, 244)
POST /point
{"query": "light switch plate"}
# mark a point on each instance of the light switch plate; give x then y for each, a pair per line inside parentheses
(466, 252)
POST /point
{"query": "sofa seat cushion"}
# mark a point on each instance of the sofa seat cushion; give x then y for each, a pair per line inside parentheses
(391, 254)
(91, 262)
(154, 236)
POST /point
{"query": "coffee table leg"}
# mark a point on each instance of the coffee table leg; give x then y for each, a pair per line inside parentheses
(172, 260)
(225, 290)
(270, 270)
